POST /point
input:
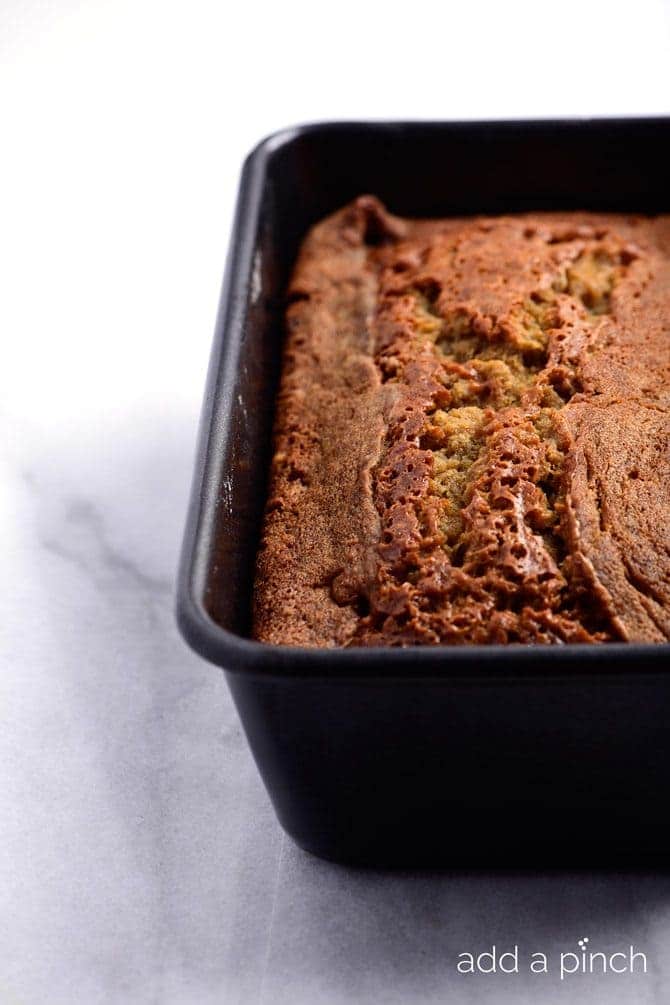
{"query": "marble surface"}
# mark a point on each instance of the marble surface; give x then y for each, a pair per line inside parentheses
(140, 861)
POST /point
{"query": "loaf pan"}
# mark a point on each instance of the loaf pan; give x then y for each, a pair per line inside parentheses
(434, 755)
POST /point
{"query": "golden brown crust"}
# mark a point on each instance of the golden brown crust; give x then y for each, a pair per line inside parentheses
(472, 436)
(320, 520)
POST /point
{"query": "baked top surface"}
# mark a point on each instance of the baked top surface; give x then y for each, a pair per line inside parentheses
(472, 440)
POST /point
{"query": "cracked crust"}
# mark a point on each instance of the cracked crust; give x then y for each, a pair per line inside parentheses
(472, 437)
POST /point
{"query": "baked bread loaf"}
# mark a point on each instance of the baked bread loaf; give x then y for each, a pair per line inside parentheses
(472, 439)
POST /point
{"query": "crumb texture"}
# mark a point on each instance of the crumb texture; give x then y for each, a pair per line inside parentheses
(472, 443)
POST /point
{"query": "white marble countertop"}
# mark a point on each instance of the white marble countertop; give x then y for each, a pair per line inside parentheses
(140, 861)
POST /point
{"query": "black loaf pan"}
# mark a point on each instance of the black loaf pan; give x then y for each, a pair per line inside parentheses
(436, 755)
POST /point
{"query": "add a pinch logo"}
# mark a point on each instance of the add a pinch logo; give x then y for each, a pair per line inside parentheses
(586, 960)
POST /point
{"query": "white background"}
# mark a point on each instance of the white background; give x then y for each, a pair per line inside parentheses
(139, 859)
